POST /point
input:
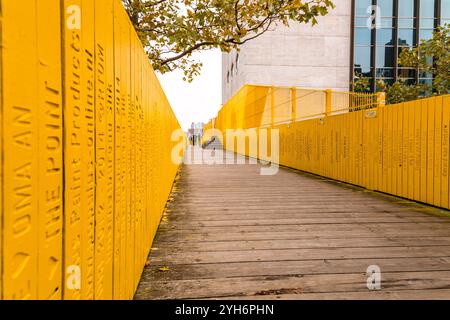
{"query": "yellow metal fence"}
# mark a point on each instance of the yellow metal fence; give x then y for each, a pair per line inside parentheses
(400, 149)
(85, 140)
(264, 106)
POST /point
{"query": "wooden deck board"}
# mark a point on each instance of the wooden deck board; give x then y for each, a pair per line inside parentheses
(229, 232)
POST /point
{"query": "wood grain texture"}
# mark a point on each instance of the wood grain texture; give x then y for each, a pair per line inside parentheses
(229, 232)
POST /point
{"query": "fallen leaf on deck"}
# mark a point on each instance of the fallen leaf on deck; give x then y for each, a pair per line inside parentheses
(164, 269)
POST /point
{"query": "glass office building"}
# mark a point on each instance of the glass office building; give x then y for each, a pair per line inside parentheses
(383, 28)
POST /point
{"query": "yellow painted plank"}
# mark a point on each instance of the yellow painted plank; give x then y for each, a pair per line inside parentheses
(437, 151)
(430, 149)
(395, 149)
(398, 132)
(353, 148)
(332, 147)
(385, 150)
(336, 148)
(337, 152)
(322, 135)
(365, 158)
(390, 147)
(379, 149)
(137, 174)
(121, 185)
(345, 164)
(21, 145)
(139, 241)
(409, 113)
(104, 118)
(374, 154)
(423, 150)
(445, 151)
(127, 249)
(405, 150)
(132, 167)
(50, 150)
(367, 150)
(147, 172)
(341, 144)
(118, 141)
(370, 144)
(360, 118)
(88, 158)
(417, 148)
(74, 125)
(1, 160)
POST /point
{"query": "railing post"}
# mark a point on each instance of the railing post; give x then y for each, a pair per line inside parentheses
(294, 104)
(328, 94)
(381, 99)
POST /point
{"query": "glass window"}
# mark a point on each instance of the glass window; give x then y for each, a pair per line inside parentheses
(386, 23)
(385, 57)
(445, 8)
(362, 36)
(361, 22)
(385, 72)
(362, 60)
(445, 21)
(406, 23)
(406, 73)
(426, 23)
(386, 8)
(427, 8)
(425, 34)
(406, 8)
(405, 37)
(384, 37)
(425, 74)
(428, 82)
(429, 60)
(362, 6)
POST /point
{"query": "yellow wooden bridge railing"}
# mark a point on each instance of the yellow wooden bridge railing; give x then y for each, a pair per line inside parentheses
(85, 140)
(400, 149)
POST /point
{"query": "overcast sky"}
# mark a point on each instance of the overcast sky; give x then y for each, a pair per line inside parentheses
(200, 100)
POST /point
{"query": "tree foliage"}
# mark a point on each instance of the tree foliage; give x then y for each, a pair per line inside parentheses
(360, 83)
(172, 30)
(400, 91)
(433, 57)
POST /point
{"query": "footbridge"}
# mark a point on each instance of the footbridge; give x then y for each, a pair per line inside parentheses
(297, 193)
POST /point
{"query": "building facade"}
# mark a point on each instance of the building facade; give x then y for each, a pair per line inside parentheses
(383, 28)
(357, 36)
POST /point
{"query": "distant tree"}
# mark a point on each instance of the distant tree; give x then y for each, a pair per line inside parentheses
(360, 83)
(400, 91)
(433, 57)
(172, 30)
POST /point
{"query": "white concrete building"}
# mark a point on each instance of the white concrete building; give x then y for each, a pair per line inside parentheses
(302, 55)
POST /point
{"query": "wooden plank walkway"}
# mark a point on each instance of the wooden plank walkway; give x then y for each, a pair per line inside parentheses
(230, 233)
